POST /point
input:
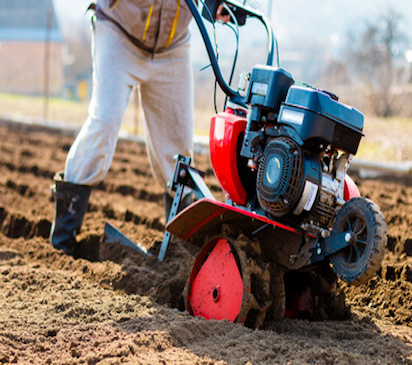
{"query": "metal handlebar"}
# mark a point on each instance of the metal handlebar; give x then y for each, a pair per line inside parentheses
(234, 95)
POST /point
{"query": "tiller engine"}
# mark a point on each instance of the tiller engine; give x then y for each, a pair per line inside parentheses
(281, 153)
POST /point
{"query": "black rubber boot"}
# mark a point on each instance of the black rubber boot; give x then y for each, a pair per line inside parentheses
(70, 205)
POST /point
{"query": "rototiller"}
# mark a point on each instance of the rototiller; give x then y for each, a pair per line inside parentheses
(281, 153)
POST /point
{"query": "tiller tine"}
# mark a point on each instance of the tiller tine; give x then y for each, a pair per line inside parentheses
(113, 235)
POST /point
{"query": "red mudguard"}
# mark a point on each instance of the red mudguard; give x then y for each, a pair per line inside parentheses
(203, 215)
(225, 131)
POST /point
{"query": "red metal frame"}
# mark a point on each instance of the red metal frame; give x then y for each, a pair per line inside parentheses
(225, 130)
(205, 212)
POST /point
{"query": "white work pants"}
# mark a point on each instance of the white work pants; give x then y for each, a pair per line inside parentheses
(166, 86)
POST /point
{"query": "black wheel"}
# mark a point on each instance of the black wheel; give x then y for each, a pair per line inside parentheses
(365, 224)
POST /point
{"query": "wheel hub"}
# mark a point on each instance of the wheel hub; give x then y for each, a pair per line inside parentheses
(217, 289)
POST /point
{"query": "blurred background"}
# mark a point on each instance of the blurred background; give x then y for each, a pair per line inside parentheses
(359, 50)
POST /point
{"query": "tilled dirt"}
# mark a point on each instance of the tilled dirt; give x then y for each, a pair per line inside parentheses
(113, 305)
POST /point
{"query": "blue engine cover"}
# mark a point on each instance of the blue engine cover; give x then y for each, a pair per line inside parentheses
(321, 120)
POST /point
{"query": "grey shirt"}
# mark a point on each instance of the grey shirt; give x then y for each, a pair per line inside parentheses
(155, 25)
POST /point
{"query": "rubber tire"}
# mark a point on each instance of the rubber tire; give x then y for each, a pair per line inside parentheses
(360, 261)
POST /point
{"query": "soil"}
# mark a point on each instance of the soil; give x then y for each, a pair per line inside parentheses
(111, 304)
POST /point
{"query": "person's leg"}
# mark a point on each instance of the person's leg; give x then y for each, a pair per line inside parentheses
(167, 99)
(91, 154)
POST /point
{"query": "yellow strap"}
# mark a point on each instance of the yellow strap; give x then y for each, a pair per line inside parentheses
(174, 26)
(147, 23)
(114, 3)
